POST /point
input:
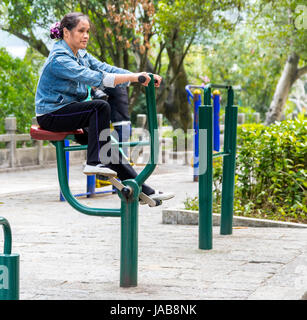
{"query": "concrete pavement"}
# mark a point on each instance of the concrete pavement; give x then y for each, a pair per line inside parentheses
(67, 255)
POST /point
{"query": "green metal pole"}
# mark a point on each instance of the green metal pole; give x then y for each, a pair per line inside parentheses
(207, 96)
(130, 202)
(229, 162)
(62, 175)
(153, 131)
(205, 173)
(9, 266)
(129, 235)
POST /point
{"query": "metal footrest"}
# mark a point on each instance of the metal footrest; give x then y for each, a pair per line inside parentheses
(143, 196)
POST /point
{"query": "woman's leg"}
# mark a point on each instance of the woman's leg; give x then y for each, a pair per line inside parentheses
(125, 170)
(93, 114)
(120, 165)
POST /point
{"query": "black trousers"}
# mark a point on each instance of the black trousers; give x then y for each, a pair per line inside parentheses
(95, 116)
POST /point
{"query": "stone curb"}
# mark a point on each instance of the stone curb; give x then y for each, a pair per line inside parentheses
(190, 217)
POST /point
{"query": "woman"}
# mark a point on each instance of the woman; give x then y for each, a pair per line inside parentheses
(63, 87)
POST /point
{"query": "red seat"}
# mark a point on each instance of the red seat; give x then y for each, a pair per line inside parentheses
(38, 133)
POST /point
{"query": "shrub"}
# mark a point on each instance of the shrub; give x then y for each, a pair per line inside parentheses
(271, 172)
(18, 80)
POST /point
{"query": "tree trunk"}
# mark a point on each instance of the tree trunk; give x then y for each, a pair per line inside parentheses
(176, 107)
(288, 77)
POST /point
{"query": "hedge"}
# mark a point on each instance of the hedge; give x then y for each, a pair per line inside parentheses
(271, 172)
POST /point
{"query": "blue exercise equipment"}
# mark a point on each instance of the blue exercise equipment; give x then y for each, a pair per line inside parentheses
(196, 98)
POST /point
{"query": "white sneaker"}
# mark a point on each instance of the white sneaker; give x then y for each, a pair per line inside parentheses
(99, 169)
(159, 195)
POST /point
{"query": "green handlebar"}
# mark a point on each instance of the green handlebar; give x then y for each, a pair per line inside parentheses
(218, 86)
(7, 235)
(153, 131)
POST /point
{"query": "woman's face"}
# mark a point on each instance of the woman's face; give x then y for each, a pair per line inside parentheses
(78, 37)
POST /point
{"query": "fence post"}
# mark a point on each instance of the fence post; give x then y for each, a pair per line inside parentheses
(141, 120)
(257, 117)
(10, 128)
(241, 118)
(160, 120)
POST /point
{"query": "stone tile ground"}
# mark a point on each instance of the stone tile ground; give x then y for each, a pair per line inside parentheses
(67, 255)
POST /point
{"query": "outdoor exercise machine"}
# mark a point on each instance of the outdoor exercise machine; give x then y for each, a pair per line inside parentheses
(206, 156)
(9, 266)
(195, 96)
(128, 190)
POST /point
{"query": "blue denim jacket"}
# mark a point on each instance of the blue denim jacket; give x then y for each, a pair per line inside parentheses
(65, 78)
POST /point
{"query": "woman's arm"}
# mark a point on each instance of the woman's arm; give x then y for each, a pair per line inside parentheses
(134, 77)
(118, 76)
(65, 67)
(97, 65)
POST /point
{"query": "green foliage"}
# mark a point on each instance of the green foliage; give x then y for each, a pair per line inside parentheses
(271, 172)
(18, 80)
(191, 17)
(239, 59)
(253, 55)
(191, 203)
(137, 35)
(280, 25)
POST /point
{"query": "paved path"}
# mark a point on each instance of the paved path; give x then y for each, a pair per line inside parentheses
(67, 255)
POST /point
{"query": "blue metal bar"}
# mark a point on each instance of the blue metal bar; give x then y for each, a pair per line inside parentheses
(91, 185)
(216, 125)
(197, 103)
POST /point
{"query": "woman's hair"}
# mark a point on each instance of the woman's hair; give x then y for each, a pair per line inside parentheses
(69, 21)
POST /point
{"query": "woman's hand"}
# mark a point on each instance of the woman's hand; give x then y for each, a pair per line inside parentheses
(157, 79)
(146, 78)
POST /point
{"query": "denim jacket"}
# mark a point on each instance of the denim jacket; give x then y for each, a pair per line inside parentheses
(65, 78)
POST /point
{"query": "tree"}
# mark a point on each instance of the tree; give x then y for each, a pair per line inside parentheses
(285, 23)
(18, 80)
(120, 35)
(181, 23)
(240, 59)
(124, 35)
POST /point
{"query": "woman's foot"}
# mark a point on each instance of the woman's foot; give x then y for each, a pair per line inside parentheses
(159, 195)
(99, 169)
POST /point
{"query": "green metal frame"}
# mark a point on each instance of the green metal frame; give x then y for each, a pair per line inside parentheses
(9, 266)
(206, 173)
(129, 195)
